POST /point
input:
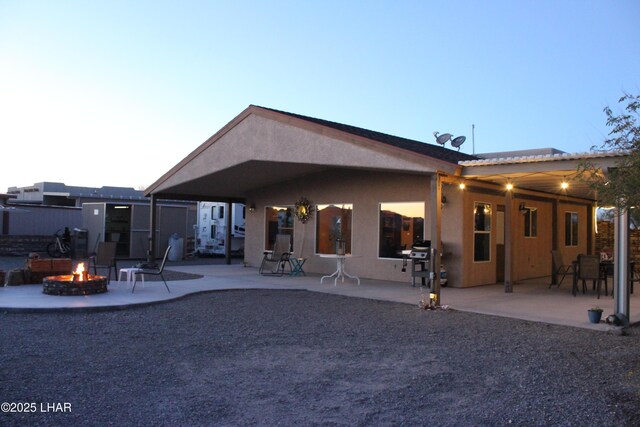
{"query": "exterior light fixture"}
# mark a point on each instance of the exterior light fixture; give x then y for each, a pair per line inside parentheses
(509, 186)
(462, 185)
(523, 208)
(564, 185)
(252, 207)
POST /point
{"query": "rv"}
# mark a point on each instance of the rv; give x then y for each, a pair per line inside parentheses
(212, 228)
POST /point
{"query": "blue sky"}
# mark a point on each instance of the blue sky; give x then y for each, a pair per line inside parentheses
(115, 93)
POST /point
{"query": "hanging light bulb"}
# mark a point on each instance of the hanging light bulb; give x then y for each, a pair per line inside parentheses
(564, 184)
(509, 186)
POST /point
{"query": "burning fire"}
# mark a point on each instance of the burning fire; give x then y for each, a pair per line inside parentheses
(80, 274)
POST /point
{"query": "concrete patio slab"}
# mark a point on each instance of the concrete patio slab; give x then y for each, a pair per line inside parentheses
(532, 300)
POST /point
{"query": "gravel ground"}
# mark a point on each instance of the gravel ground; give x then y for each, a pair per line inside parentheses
(269, 357)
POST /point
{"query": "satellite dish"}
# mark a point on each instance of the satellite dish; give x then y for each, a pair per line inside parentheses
(458, 141)
(442, 139)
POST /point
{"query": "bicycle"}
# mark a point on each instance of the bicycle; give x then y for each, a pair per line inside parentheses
(60, 247)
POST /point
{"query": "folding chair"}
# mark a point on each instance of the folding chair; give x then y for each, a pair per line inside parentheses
(278, 256)
(559, 267)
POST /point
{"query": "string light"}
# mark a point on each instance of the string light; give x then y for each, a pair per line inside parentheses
(509, 186)
(461, 185)
(564, 185)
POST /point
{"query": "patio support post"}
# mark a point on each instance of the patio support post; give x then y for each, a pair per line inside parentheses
(436, 232)
(227, 238)
(508, 241)
(621, 266)
(554, 237)
(151, 253)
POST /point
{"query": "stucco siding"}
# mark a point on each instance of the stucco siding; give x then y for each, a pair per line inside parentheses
(365, 190)
(258, 138)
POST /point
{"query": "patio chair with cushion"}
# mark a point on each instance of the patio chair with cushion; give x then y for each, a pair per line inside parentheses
(559, 267)
(278, 257)
(105, 257)
(152, 272)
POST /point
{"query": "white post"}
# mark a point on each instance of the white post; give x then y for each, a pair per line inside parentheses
(621, 266)
(436, 232)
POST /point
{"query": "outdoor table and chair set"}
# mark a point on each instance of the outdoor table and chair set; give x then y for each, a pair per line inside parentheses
(594, 268)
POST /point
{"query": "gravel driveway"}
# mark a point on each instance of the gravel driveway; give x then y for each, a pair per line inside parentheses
(273, 357)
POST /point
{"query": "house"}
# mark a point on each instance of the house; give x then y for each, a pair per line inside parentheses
(495, 218)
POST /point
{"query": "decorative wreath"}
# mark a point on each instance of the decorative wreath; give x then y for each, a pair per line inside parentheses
(303, 210)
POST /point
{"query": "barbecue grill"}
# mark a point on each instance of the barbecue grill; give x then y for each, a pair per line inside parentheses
(420, 256)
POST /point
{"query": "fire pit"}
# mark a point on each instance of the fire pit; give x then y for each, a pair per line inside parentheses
(80, 282)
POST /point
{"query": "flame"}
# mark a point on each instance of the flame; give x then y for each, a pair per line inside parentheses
(80, 272)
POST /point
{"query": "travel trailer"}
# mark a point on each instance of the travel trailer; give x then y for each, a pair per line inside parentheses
(212, 228)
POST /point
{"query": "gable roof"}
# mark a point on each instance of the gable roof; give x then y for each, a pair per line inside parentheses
(325, 144)
(431, 150)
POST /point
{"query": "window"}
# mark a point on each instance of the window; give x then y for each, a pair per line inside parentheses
(571, 228)
(279, 220)
(401, 224)
(530, 222)
(481, 232)
(221, 212)
(333, 227)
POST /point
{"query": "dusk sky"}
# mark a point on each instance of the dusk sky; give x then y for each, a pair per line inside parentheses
(115, 93)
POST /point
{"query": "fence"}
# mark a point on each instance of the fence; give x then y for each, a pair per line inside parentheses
(605, 237)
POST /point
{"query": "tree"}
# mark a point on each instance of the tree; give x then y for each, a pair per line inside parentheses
(620, 186)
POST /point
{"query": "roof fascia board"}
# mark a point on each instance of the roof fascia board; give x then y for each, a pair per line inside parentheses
(538, 166)
(521, 168)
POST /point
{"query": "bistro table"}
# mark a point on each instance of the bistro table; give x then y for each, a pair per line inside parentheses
(340, 272)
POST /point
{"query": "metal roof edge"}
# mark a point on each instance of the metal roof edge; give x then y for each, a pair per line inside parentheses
(543, 158)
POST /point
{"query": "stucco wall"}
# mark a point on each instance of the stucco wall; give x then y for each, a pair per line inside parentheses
(531, 255)
(365, 190)
(570, 253)
(263, 139)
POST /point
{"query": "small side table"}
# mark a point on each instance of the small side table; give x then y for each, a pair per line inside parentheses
(129, 274)
(296, 266)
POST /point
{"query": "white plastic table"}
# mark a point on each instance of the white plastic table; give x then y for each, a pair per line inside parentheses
(129, 274)
(340, 271)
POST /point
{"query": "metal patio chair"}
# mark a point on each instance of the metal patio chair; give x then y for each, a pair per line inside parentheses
(589, 269)
(105, 257)
(152, 272)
